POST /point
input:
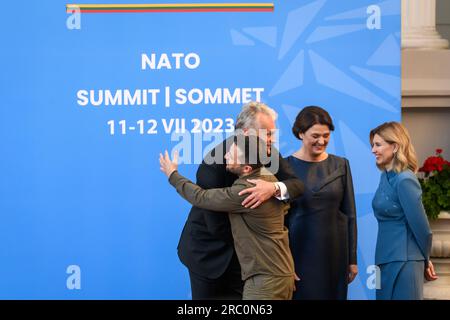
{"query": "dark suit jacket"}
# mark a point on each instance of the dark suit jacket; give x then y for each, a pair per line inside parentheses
(206, 243)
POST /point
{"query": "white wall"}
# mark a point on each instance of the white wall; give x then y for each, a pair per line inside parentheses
(429, 129)
(430, 126)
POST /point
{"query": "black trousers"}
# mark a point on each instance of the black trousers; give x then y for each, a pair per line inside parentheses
(228, 286)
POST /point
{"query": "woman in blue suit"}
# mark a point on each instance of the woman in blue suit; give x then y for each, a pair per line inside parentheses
(404, 235)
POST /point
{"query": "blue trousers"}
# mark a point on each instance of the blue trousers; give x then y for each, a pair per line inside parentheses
(401, 281)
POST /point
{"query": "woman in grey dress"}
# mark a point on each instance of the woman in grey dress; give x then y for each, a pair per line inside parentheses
(404, 236)
(321, 223)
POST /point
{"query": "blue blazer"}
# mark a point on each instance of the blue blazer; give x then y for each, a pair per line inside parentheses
(403, 230)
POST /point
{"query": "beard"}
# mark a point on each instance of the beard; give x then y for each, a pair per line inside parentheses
(237, 170)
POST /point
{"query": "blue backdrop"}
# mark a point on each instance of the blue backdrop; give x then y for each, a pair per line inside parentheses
(86, 214)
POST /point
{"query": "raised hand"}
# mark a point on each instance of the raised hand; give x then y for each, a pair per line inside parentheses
(166, 165)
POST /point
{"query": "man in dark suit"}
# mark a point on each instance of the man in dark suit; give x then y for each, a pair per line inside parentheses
(206, 244)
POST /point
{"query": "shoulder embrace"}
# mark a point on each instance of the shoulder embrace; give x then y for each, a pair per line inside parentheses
(237, 187)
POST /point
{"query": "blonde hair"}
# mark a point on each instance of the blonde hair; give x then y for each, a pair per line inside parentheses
(396, 133)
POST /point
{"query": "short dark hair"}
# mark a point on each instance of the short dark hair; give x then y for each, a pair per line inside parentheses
(310, 116)
(252, 147)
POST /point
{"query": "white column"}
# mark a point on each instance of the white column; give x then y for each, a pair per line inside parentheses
(419, 25)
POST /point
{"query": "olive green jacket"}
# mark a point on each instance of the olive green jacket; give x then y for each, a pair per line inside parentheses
(260, 237)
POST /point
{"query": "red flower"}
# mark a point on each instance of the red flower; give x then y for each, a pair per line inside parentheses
(434, 163)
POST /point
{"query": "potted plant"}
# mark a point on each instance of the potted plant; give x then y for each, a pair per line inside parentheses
(435, 182)
(435, 185)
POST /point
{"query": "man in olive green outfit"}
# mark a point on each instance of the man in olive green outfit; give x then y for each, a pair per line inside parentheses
(260, 237)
